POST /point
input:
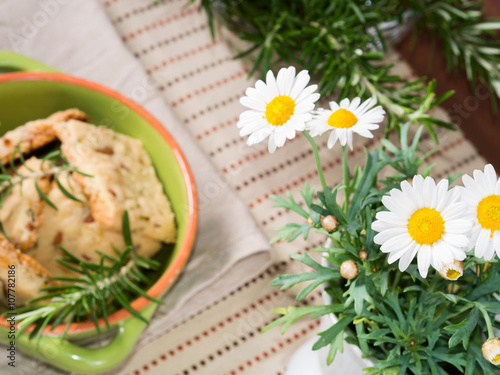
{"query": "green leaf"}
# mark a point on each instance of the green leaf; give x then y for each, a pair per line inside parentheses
(487, 367)
(357, 293)
(307, 194)
(462, 331)
(44, 197)
(328, 336)
(51, 155)
(66, 192)
(289, 204)
(384, 283)
(367, 181)
(290, 315)
(2, 229)
(337, 345)
(490, 285)
(127, 235)
(291, 231)
(321, 276)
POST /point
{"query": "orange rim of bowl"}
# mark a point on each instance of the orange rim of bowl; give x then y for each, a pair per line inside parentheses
(171, 273)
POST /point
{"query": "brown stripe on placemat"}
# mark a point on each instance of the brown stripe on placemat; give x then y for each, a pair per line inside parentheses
(139, 10)
(214, 106)
(215, 128)
(159, 23)
(192, 73)
(209, 87)
(237, 341)
(192, 52)
(281, 345)
(175, 38)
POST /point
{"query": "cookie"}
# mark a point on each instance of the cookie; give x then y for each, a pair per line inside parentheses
(123, 178)
(35, 134)
(30, 276)
(20, 213)
(73, 227)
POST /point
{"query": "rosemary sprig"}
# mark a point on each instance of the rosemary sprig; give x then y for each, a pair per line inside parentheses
(52, 165)
(342, 43)
(88, 298)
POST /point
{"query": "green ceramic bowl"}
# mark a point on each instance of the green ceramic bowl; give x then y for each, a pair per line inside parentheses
(36, 92)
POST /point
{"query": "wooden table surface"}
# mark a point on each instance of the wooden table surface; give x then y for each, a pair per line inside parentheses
(469, 109)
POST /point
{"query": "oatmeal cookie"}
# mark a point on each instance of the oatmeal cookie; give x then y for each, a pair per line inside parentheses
(30, 276)
(73, 227)
(123, 178)
(21, 212)
(35, 134)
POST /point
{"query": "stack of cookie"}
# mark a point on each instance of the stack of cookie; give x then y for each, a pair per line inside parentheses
(118, 176)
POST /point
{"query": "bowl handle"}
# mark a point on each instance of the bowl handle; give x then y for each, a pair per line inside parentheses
(70, 357)
(11, 62)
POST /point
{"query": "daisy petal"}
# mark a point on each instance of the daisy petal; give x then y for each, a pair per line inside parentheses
(253, 103)
(482, 243)
(271, 147)
(424, 260)
(406, 259)
(300, 84)
(259, 135)
(344, 103)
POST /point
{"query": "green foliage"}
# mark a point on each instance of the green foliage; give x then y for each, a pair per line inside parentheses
(342, 44)
(408, 324)
(319, 277)
(462, 331)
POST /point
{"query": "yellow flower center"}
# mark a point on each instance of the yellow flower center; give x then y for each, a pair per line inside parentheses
(280, 110)
(488, 213)
(426, 226)
(496, 359)
(452, 274)
(342, 118)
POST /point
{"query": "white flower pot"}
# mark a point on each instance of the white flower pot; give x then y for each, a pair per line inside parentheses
(305, 361)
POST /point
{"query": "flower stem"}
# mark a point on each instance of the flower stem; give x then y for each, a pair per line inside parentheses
(345, 171)
(397, 279)
(487, 319)
(316, 158)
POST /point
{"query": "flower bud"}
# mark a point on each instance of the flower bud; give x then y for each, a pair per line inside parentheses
(477, 268)
(329, 223)
(452, 271)
(363, 255)
(310, 221)
(348, 270)
(491, 350)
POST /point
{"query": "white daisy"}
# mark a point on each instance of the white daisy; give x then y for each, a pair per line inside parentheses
(482, 195)
(425, 220)
(346, 118)
(278, 108)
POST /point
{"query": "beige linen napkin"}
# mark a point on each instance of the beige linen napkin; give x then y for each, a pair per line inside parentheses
(76, 37)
